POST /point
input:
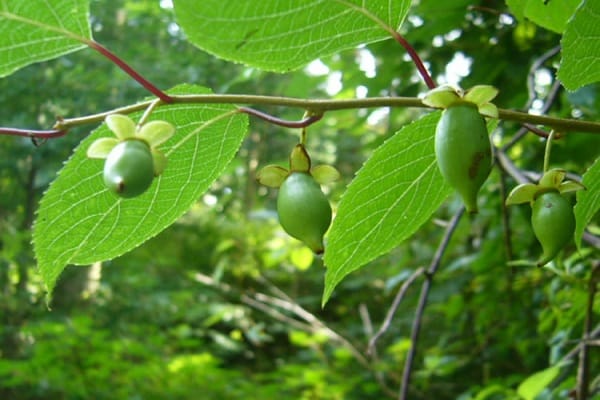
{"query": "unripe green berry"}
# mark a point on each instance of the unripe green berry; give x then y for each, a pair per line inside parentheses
(463, 151)
(304, 211)
(553, 224)
(129, 169)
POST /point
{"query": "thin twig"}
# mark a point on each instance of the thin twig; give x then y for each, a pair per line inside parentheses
(286, 302)
(34, 134)
(541, 60)
(576, 349)
(303, 123)
(552, 94)
(583, 374)
(416, 326)
(393, 308)
(265, 303)
(318, 325)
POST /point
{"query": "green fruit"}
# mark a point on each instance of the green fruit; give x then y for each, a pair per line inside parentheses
(129, 169)
(463, 151)
(303, 209)
(553, 224)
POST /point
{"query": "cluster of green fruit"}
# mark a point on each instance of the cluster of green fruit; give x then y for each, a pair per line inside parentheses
(462, 147)
(464, 156)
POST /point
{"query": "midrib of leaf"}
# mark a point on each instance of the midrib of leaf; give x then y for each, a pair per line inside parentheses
(199, 129)
(50, 28)
(370, 15)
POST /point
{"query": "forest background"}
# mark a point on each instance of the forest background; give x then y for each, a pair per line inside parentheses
(225, 304)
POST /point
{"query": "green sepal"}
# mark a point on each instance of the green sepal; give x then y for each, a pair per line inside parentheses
(481, 94)
(552, 178)
(156, 132)
(570, 186)
(325, 174)
(159, 161)
(488, 110)
(272, 176)
(523, 193)
(442, 97)
(101, 147)
(299, 159)
(121, 125)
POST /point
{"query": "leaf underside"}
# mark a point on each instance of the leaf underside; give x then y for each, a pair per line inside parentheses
(79, 221)
(393, 194)
(285, 35)
(580, 63)
(34, 31)
(588, 201)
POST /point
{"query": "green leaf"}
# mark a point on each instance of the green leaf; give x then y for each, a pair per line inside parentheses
(80, 221)
(588, 201)
(34, 31)
(552, 15)
(580, 63)
(531, 387)
(392, 195)
(284, 35)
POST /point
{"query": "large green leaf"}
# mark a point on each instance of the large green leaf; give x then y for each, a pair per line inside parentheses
(80, 221)
(588, 201)
(580, 63)
(552, 15)
(33, 31)
(393, 194)
(283, 35)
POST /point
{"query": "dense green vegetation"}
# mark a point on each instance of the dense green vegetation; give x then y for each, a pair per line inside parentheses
(224, 305)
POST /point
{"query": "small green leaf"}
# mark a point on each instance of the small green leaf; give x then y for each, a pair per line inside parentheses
(531, 387)
(325, 174)
(523, 193)
(34, 31)
(121, 125)
(588, 201)
(272, 175)
(393, 194)
(156, 132)
(101, 147)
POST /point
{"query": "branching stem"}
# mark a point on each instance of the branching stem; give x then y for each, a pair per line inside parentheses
(314, 107)
(416, 326)
(317, 107)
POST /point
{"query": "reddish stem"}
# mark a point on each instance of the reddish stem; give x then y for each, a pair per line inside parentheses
(540, 132)
(303, 123)
(130, 71)
(42, 134)
(416, 59)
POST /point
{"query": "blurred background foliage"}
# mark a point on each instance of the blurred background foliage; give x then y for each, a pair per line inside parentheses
(223, 305)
